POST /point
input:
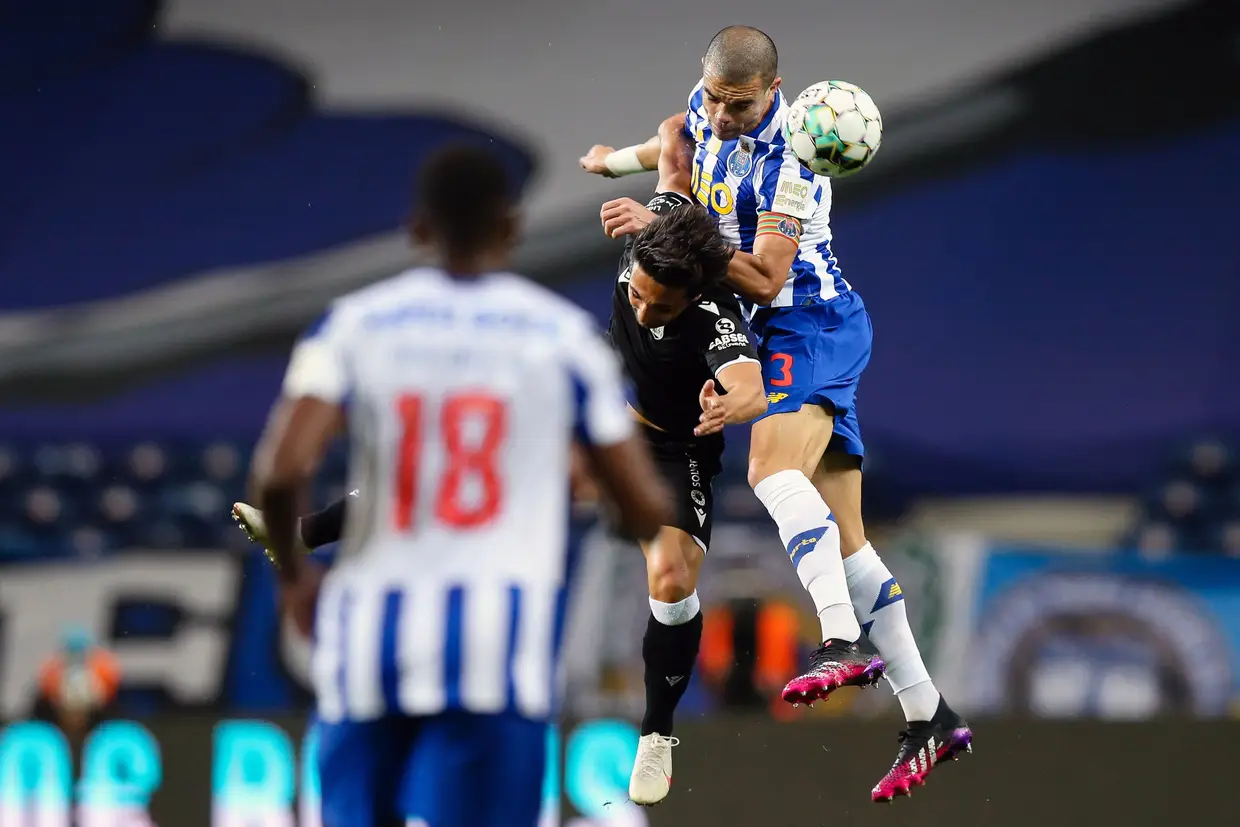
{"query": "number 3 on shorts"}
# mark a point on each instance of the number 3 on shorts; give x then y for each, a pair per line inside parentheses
(781, 375)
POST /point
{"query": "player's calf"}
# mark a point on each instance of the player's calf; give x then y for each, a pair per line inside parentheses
(782, 446)
(669, 651)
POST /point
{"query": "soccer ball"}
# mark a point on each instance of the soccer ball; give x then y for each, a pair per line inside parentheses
(834, 128)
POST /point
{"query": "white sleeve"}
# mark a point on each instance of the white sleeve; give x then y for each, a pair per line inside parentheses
(601, 415)
(318, 366)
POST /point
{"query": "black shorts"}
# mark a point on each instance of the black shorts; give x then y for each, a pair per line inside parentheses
(689, 466)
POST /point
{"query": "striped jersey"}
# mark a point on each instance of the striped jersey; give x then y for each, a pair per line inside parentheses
(463, 400)
(738, 179)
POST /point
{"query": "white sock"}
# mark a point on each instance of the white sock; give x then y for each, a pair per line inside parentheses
(879, 604)
(676, 614)
(812, 540)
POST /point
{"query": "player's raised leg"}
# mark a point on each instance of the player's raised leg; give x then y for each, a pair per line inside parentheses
(935, 732)
(669, 650)
(785, 448)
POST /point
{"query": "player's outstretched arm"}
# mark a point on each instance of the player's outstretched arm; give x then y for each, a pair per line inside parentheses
(616, 163)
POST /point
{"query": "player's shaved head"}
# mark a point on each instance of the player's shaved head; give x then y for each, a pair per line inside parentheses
(739, 54)
(465, 203)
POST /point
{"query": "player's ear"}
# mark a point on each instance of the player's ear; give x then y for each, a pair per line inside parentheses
(775, 84)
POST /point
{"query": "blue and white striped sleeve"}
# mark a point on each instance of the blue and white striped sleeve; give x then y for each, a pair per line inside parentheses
(319, 365)
(695, 114)
(600, 410)
(786, 187)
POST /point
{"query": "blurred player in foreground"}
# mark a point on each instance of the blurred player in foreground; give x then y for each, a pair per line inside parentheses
(683, 342)
(436, 632)
(814, 337)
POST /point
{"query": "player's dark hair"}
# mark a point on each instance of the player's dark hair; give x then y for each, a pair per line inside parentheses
(738, 54)
(683, 249)
(463, 193)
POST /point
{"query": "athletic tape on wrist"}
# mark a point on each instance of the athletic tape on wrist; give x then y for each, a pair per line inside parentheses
(624, 162)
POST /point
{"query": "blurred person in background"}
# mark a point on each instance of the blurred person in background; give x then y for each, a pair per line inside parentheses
(436, 639)
(682, 340)
(77, 685)
(814, 337)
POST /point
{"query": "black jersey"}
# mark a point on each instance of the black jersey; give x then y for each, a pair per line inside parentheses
(670, 364)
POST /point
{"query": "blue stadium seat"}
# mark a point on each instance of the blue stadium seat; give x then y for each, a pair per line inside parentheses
(49, 38)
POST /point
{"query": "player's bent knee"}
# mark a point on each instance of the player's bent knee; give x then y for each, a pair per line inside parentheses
(670, 588)
(672, 564)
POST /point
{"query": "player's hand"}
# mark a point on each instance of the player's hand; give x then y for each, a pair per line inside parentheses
(300, 595)
(624, 216)
(714, 415)
(595, 161)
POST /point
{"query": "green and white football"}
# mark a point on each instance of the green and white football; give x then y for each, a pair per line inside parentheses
(834, 128)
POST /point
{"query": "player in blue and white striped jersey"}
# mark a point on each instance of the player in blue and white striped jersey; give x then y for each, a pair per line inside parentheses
(814, 337)
(436, 632)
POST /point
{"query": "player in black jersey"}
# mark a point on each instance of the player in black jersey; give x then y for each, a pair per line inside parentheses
(681, 337)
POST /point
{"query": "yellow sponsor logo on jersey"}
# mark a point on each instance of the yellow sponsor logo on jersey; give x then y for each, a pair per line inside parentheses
(716, 196)
(721, 199)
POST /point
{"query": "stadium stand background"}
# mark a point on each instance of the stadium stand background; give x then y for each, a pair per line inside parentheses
(1046, 244)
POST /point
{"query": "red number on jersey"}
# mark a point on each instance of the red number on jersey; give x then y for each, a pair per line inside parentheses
(468, 457)
(782, 362)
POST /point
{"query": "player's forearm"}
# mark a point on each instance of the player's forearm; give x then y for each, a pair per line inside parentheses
(279, 504)
(754, 279)
(744, 404)
(634, 159)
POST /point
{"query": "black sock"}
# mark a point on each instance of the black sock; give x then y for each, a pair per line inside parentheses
(670, 653)
(326, 526)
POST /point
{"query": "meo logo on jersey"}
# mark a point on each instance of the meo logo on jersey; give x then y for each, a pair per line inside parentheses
(791, 197)
(725, 326)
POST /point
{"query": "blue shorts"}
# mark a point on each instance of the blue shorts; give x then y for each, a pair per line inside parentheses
(455, 769)
(814, 355)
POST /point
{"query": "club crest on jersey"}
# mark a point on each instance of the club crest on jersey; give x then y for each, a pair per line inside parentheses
(740, 160)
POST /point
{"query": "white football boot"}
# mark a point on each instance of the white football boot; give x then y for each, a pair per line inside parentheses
(250, 520)
(652, 770)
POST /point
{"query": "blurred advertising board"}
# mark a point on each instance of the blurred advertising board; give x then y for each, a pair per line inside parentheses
(195, 771)
(1107, 635)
